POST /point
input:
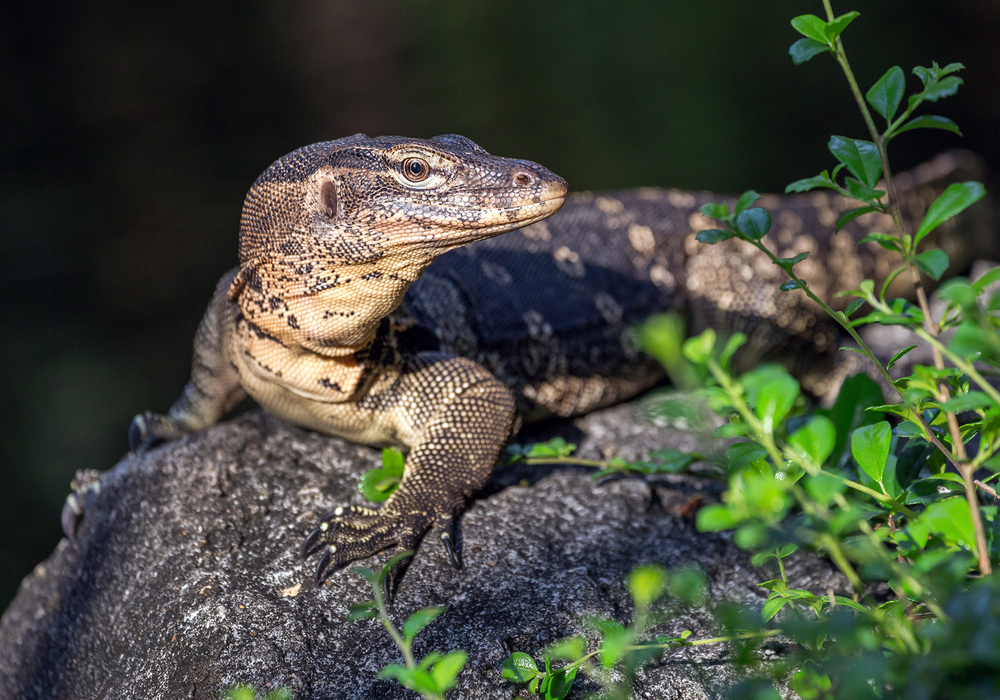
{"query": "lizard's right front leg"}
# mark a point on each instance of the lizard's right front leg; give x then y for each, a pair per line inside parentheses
(214, 387)
(456, 417)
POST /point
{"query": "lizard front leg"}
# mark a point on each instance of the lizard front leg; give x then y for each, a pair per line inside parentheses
(456, 418)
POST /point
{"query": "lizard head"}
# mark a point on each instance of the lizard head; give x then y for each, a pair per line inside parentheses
(339, 230)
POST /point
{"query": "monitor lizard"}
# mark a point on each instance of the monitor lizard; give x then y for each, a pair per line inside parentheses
(331, 322)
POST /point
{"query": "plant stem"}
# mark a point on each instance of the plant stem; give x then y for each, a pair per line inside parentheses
(863, 346)
(931, 328)
(870, 123)
(837, 554)
(675, 645)
(987, 488)
(873, 493)
(562, 459)
(383, 614)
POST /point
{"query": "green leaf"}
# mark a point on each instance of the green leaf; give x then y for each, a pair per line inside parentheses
(712, 236)
(361, 611)
(929, 75)
(908, 430)
(753, 223)
(929, 121)
(887, 93)
(420, 619)
(771, 607)
(716, 517)
(834, 28)
(946, 87)
(932, 263)
(980, 285)
(811, 183)
(392, 461)
(862, 192)
(810, 683)
(931, 489)
(715, 211)
(741, 455)
(570, 648)
(447, 669)
(968, 402)
(787, 263)
(391, 562)
(823, 487)
(854, 306)
(519, 668)
(647, 583)
(746, 200)
(556, 447)
(689, 585)
(969, 340)
(816, 438)
(896, 358)
(735, 341)
(240, 692)
(280, 694)
(765, 496)
(413, 678)
(953, 200)
(775, 399)
(851, 214)
(861, 158)
(986, 280)
(556, 685)
(377, 485)
(698, 349)
(812, 27)
(888, 280)
(804, 49)
(950, 519)
(870, 447)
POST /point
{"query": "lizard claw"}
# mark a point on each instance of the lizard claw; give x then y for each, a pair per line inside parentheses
(144, 432)
(349, 533)
(444, 530)
(309, 543)
(137, 432)
(85, 487)
(449, 547)
(324, 561)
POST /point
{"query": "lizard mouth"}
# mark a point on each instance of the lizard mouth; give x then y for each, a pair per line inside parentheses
(448, 227)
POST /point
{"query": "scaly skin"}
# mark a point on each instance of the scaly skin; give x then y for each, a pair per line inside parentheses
(331, 238)
(329, 324)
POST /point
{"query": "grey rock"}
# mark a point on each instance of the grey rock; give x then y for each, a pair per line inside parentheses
(185, 577)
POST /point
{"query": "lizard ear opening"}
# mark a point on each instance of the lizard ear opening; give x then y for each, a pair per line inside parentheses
(328, 199)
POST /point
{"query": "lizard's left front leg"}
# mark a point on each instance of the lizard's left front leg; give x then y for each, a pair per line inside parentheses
(456, 417)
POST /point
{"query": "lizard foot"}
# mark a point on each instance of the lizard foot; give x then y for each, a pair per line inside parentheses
(85, 487)
(353, 532)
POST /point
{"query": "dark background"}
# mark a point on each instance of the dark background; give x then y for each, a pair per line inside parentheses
(131, 132)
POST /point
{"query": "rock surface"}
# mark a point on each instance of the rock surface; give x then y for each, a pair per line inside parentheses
(185, 577)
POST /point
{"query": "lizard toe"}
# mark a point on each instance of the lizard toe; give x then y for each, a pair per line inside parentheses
(86, 485)
(350, 533)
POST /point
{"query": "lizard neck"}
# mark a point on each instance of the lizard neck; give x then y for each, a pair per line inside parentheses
(333, 311)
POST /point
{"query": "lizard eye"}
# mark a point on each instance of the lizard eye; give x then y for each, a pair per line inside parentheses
(416, 169)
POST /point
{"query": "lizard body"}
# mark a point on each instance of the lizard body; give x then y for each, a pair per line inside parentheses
(331, 323)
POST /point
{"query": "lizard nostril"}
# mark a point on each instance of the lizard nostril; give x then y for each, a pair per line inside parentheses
(523, 179)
